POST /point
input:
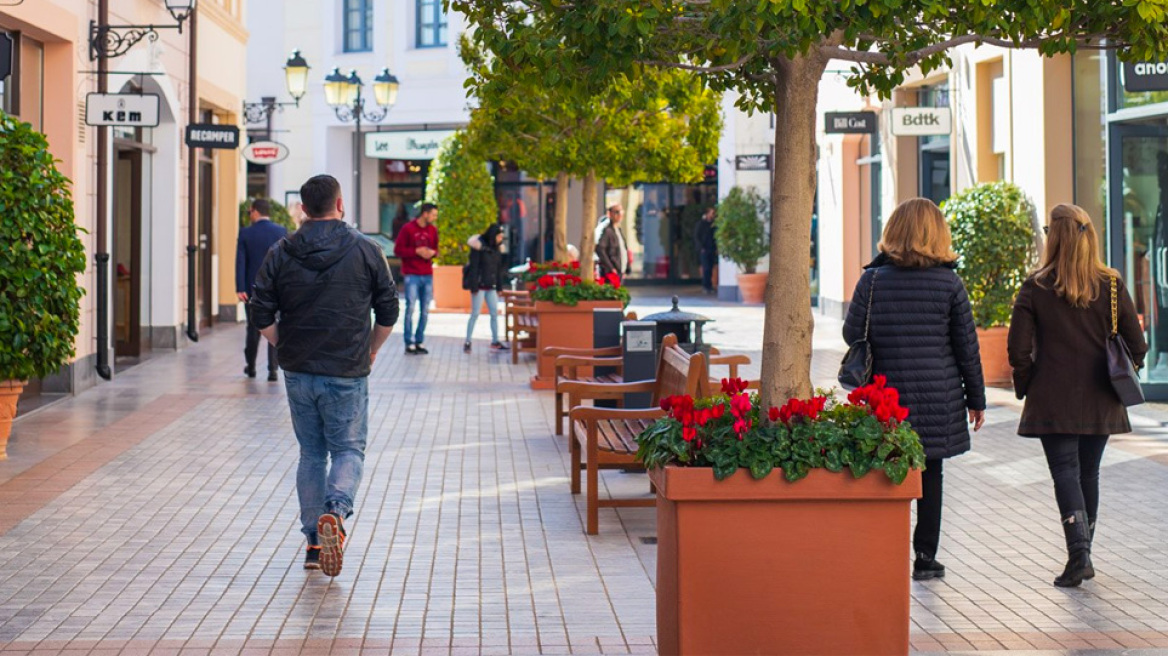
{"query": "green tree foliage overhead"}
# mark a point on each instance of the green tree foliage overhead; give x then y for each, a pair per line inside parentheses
(992, 226)
(40, 257)
(742, 230)
(464, 191)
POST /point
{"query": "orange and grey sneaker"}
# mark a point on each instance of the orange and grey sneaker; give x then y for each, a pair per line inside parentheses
(312, 557)
(331, 534)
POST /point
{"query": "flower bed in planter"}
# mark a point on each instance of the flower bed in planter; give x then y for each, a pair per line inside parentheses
(564, 305)
(783, 530)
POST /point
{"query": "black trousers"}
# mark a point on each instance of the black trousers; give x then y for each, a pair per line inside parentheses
(252, 346)
(927, 535)
(1074, 466)
(709, 260)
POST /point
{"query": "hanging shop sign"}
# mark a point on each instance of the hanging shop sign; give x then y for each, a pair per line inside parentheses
(752, 162)
(265, 152)
(210, 135)
(849, 122)
(1145, 76)
(5, 55)
(921, 121)
(122, 109)
(414, 144)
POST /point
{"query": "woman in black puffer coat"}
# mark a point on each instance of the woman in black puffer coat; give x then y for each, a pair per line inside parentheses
(924, 341)
(483, 278)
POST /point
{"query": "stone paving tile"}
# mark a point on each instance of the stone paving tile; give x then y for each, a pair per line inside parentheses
(171, 527)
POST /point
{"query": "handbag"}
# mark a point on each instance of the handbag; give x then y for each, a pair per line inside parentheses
(1124, 379)
(856, 368)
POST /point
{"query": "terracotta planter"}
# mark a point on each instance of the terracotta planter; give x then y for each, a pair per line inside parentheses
(9, 394)
(995, 363)
(448, 292)
(565, 326)
(819, 566)
(752, 286)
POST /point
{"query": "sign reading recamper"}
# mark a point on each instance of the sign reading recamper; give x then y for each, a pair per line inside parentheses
(210, 135)
(921, 121)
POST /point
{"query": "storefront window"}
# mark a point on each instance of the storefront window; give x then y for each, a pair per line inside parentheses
(660, 235)
(401, 185)
(7, 98)
(934, 150)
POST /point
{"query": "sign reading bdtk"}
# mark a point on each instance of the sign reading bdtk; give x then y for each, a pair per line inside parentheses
(1145, 76)
(849, 122)
(921, 121)
(128, 109)
(5, 55)
(209, 135)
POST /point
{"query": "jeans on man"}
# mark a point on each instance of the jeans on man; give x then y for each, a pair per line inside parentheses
(331, 418)
(252, 346)
(419, 291)
(476, 299)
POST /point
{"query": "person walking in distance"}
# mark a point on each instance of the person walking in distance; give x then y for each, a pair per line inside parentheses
(610, 248)
(417, 245)
(250, 249)
(924, 342)
(707, 247)
(312, 300)
(483, 277)
(1063, 317)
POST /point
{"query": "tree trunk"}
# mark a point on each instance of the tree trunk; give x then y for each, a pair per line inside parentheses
(588, 236)
(560, 231)
(786, 349)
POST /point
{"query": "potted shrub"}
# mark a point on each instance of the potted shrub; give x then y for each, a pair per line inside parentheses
(464, 191)
(992, 226)
(40, 258)
(783, 530)
(742, 238)
(564, 303)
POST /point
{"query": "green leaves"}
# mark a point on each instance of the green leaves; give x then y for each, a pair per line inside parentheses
(464, 191)
(40, 257)
(741, 228)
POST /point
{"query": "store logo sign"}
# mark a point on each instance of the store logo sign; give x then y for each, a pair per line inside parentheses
(123, 109)
(849, 122)
(921, 121)
(415, 145)
(210, 135)
(1145, 76)
(265, 152)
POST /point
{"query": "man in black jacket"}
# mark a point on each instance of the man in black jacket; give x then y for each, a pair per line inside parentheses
(707, 247)
(611, 250)
(323, 281)
(250, 249)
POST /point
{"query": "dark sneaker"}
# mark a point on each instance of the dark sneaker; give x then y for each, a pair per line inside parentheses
(421, 350)
(499, 346)
(411, 349)
(249, 372)
(312, 557)
(331, 534)
(466, 347)
(273, 377)
(927, 567)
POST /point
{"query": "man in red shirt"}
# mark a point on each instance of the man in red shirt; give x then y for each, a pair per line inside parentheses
(417, 245)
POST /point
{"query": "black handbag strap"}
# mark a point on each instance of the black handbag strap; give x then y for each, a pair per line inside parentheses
(871, 293)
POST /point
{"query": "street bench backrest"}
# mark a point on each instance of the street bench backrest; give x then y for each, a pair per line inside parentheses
(679, 373)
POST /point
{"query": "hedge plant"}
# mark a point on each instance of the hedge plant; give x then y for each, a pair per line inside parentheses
(993, 235)
(464, 191)
(40, 257)
(741, 230)
(280, 214)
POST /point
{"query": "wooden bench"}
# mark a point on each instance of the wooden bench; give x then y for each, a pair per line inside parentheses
(521, 323)
(605, 438)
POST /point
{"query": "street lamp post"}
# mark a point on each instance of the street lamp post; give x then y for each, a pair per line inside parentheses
(344, 95)
(296, 81)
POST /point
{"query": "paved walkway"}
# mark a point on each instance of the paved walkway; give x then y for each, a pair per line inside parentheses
(157, 514)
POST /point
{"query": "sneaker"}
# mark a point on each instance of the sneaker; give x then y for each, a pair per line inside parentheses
(249, 372)
(331, 533)
(312, 557)
(926, 567)
(273, 377)
(499, 346)
(421, 350)
(411, 349)
(466, 347)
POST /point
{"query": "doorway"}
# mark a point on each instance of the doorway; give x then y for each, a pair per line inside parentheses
(127, 253)
(206, 218)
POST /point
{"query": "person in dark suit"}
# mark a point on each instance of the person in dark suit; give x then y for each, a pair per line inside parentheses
(254, 242)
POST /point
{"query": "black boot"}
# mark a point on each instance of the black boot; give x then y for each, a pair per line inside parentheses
(1078, 535)
(926, 567)
(1091, 532)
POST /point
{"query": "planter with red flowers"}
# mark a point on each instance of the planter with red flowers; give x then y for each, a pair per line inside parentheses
(564, 303)
(783, 530)
(537, 270)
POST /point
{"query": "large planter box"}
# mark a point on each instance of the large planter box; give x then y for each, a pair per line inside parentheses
(995, 362)
(449, 295)
(819, 566)
(565, 326)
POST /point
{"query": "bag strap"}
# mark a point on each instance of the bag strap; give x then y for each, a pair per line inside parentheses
(1114, 308)
(871, 293)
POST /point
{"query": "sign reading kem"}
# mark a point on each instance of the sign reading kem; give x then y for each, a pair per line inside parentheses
(128, 109)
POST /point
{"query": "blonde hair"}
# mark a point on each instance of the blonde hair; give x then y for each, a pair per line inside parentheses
(916, 235)
(1070, 263)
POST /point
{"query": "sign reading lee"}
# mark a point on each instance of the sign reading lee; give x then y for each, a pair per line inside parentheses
(849, 122)
(414, 144)
(126, 109)
(265, 152)
(210, 135)
(921, 121)
(1145, 76)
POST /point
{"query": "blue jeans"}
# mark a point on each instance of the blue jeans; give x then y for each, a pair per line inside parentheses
(492, 307)
(331, 418)
(419, 291)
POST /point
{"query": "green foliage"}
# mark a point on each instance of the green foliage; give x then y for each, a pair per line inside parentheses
(569, 289)
(280, 214)
(40, 257)
(464, 191)
(994, 235)
(742, 229)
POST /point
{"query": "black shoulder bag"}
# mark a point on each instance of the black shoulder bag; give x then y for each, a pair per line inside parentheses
(856, 368)
(1124, 379)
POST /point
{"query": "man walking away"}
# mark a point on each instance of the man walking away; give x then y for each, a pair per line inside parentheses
(417, 245)
(323, 281)
(707, 247)
(253, 244)
(610, 248)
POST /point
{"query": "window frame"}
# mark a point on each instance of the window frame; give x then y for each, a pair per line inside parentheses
(435, 29)
(364, 12)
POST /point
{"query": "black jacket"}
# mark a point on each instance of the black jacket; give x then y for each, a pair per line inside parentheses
(250, 249)
(924, 341)
(704, 236)
(485, 269)
(323, 280)
(608, 251)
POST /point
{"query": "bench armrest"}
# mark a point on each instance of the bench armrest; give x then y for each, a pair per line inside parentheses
(584, 389)
(587, 413)
(581, 361)
(729, 359)
(609, 351)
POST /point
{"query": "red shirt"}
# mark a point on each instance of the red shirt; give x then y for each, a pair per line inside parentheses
(412, 237)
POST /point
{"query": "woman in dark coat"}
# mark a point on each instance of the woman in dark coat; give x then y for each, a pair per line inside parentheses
(483, 278)
(923, 340)
(1058, 349)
